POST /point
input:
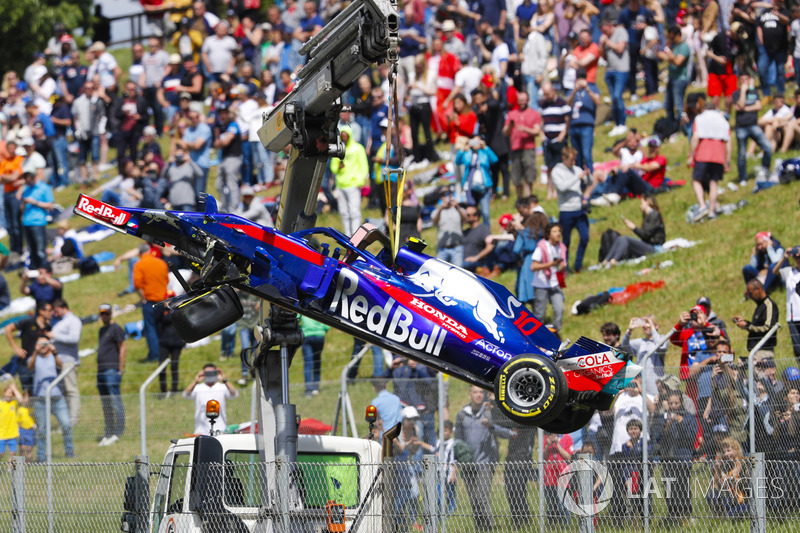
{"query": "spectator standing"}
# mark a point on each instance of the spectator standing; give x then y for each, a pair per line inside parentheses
(632, 18)
(88, 112)
(313, 344)
(229, 143)
(678, 58)
(548, 264)
(477, 246)
(767, 255)
(764, 317)
(30, 329)
(773, 45)
(721, 78)
(713, 319)
(675, 432)
(37, 198)
(555, 119)
(170, 346)
(130, 112)
(477, 180)
(523, 126)
(209, 384)
(11, 176)
(583, 100)
(791, 277)
(66, 336)
(111, 355)
(150, 278)
(34, 162)
(45, 364)
(350, 174)
(654, 364)
(614, 48)
(9, 426)
(253, 209)
(474, 425)
(567, 180)
(535, 53)
(557, 451)
(182, 173)
(747, 105)
(218, 53)
(103, 64)
(389, 406)
(197, 139)
(155, 62)
(710, 155)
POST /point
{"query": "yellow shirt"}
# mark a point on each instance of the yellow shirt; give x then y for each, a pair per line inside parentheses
(9, 428)
(24, 418)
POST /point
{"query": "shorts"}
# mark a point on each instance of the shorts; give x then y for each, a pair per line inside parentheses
(719, 84)
(705, 173)
(523, 167)
(27, 437)
(87, 147)
(8, 444)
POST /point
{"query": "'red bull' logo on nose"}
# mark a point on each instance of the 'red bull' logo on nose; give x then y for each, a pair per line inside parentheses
(97, 209)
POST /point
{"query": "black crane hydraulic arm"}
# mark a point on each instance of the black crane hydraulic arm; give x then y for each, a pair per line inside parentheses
(365, 32)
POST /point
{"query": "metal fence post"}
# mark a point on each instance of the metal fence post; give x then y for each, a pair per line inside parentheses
(430, 514)
(143, 405)
(283, 467)
(751, 400)
(18, 494)
(344, 405)
(441, 467)
(540, 453)
(585, 493)
(758, 508)
(142, 485)
(48, 401)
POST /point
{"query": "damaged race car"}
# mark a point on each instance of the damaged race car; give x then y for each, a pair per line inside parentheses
(426, 309)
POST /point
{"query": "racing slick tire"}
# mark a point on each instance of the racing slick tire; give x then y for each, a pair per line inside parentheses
(531, 389)
(571, 418)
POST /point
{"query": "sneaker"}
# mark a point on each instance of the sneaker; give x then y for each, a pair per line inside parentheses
(103, 441)
(6, 377)
(241, 382)
(700, 214)
(743, 183)
(732, 186)
(600, 201)
(314, 392)
(613, 198)
(111, 440)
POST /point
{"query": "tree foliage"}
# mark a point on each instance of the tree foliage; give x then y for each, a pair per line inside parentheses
(26, 25)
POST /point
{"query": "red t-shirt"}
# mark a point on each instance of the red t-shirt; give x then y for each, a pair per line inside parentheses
(655, 177)
(521, 140)
(591, 69)
(555, 464)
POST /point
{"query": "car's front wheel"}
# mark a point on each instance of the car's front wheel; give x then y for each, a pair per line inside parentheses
(531, 390)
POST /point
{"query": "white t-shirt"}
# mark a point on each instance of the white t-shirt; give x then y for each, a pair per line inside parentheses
(220, 52)
(783, 112)
(201, 394)
(468, 79)
(540, 279)
(33, 162)
(244, 114)
(499, 55)
(46, 90)
(626, 157)
(794, 31)
(650, 34)
(626, 408)
(104, 66)
(791, 277)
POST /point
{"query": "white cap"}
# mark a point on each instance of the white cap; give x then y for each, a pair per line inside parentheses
(384, 123)
(409, 412)
(27, 141)
(149, 130)
(248, 191)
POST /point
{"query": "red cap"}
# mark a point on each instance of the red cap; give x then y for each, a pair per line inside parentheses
(487, 81)
(66, 38)
(505, 219)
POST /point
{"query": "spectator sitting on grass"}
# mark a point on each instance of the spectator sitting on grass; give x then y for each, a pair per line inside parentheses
(767, 253)
(637, 175)
(651, 235)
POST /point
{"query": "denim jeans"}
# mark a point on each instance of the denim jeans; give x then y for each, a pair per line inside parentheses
(629, 181)
(634, 54)
(37, 240)
(673, 100)
(570, 220)
(533, 91)
(149, 314)
(61, 153)
(582, 139)
(650, 75)
(484, 201)
(200, 185)
(454, 255)
(228, 344)
(60, 409)
(13, 211)
(765, 61)
(616, 82)
(757, 134)
(247, 164)
(377, 359)
(264, 163)
(108, 382)
(750, 272)
(312, 361)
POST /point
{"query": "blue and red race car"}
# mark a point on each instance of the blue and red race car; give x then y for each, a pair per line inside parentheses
(413, 304)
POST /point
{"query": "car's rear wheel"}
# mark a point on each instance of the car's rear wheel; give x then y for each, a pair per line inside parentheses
(531, 390)
(571, 418)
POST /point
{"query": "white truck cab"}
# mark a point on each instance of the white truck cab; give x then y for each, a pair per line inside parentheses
(334, 481)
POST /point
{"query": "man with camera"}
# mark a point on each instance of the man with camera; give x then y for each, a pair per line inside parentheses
(764, 317)
(209, 384)
(449, 218)
(695, 336)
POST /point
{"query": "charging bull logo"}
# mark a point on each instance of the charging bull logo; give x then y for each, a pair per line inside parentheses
(452, 286)
(106, 213)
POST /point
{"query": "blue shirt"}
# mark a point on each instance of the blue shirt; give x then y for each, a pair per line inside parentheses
(704, 379)
(47, 124)
(492, 10)
(409, 46)
(389, 409)
(44, 292)
(378, 114)
(583, 108)
(628, 19)
(201, 157)
(35, 215)
(308, 24)
(526, 12)
(62, 112)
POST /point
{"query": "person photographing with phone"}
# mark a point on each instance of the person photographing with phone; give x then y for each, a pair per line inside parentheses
(209, 384)
(764, 317)
(549, 261)
(654, 364)
(651, 235)
(697, 337)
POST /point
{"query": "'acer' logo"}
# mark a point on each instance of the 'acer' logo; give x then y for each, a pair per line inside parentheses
(98, 209)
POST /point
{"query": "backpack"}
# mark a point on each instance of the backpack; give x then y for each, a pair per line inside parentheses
(463, 452)
(88, 265)
(68, 249)
(664, 128)
(606, 242)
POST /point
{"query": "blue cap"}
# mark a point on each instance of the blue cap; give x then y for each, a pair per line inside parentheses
(222, 106)
(38, 55)
(795, 252)
(791, 374)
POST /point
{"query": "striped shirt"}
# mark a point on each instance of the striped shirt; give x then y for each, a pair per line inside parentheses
(554, 116)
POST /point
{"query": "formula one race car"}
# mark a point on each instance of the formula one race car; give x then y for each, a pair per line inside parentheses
(413, 304)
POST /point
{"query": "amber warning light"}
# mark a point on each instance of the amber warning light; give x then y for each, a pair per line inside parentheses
(212, 409)
(372, 414)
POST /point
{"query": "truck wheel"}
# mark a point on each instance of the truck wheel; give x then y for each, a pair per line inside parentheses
(531, 389)
(571, 419)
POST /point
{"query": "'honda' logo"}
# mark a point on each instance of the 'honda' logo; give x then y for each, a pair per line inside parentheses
(97, 209)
